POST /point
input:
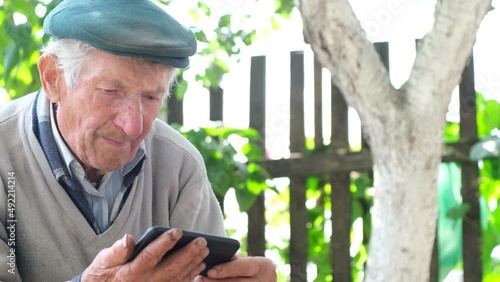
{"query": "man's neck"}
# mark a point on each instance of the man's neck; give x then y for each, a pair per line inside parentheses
(93, 176)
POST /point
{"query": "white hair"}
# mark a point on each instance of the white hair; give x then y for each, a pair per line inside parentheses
(72, 54)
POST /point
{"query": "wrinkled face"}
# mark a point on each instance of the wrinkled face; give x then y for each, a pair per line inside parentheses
(111, 110)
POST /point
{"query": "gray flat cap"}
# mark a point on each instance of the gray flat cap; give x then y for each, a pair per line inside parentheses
(133, 28)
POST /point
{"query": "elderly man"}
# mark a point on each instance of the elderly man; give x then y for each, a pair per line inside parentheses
(86, 167)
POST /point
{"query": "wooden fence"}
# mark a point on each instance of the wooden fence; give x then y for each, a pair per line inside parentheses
(338, 162)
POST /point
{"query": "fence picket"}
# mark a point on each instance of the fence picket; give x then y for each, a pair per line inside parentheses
(256, 214)
(298, 212)
(341, 193)
(470, 180)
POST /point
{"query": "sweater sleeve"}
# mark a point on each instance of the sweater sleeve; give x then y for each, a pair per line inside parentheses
(197, 209)
(8, 266)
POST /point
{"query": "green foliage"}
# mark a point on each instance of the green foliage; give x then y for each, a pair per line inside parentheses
(488, 118)
(485, 150)
(19, 45)
(318, 192)
(224, 43)
(450, 214)
(284, 7)
(458, 212)
(223, 169)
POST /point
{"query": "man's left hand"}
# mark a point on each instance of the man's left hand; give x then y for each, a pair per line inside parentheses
(240, 269)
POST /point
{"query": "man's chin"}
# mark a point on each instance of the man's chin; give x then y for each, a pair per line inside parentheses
(112, 165)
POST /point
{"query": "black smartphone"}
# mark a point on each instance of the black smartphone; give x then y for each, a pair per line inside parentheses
(222, 249)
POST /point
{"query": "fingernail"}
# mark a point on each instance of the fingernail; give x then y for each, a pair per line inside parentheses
(205, 252)
(175, 234)
(125, 241)
(201, 243)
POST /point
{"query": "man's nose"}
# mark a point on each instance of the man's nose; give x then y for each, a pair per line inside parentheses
(129, 119)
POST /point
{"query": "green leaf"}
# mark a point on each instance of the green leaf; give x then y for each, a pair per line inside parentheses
(165, 2)
(250, 37)
(252, 152)
(284, 7)
(275, 23)
(21, 34)
(221, 66)
(488, 118)
(204, 8)
(451, 132)
(10, 59)
(489, 147)
(201, 36)
(225, 21)
(194, 14)
(245, 199)
(458, 212)
(180, 89)
(492, 277)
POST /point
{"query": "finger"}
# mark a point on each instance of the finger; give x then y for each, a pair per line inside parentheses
(187, 262)
(117, 254)
(244, 267)
(232, 279)
(154, 252)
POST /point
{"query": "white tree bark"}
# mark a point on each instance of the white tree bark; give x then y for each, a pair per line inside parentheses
(404, 126)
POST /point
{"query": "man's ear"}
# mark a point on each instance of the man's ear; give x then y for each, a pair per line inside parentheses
(51, 77)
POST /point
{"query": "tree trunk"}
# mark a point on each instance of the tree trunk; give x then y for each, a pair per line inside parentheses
(404, 126)
(405, 206)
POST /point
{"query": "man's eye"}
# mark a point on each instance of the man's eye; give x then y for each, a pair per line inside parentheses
(108, 91)
(150, 98)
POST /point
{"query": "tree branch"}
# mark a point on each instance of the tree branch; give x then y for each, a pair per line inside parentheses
(447, 48)
(337, 38)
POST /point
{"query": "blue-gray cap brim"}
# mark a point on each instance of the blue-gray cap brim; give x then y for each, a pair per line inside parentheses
(132, 28)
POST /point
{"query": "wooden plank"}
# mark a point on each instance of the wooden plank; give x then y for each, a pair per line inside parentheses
(216, 103)
(318, 106)
(258, 95)
(341, 227)
(434, 268)
(339, 121)
(341, 194)
(299, 247)
(256, 215)
(256, 237)
(298, 212)
(341, 161)
(175, 110)
(318, 164)
(297, 135)
(470, 180)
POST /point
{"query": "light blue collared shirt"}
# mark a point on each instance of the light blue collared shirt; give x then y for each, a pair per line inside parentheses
(105, 200)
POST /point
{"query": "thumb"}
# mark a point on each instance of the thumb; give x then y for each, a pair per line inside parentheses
(117, 254)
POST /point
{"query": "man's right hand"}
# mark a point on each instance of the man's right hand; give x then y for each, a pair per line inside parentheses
(110, 264)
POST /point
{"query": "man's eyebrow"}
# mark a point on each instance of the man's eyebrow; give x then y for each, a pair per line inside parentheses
(158, 91)
(119, 84)
(116, 83)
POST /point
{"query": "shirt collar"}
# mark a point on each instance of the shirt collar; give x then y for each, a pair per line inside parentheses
(69, 158)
